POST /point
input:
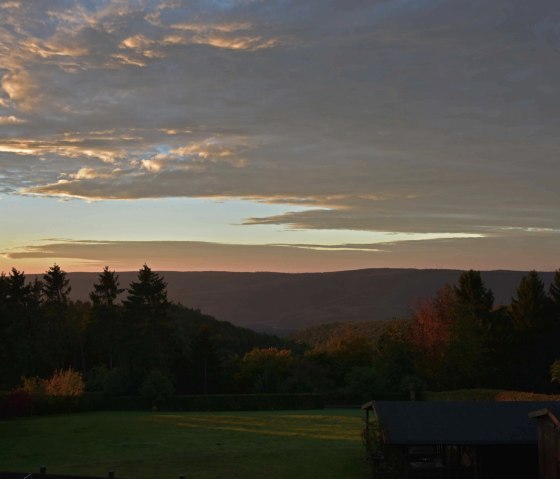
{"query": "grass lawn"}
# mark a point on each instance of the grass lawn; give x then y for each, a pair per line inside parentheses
(322, 444)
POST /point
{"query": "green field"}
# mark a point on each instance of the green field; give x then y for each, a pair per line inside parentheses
(279, 444)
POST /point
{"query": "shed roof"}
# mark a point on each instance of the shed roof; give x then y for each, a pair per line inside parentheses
(550, 412)
(458, 422)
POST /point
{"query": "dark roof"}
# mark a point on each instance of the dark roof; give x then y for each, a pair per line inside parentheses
(551, 412)
(459, 422)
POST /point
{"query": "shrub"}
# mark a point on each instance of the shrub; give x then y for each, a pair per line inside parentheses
(386, 462)
(157, 386)
(361, 383)
(16, 403)
(66, 383)
(34, 386)
(118, 382)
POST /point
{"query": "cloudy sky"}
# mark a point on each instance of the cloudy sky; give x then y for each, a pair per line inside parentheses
(286, 135)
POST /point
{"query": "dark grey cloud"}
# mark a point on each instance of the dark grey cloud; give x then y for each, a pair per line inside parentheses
(395, 115)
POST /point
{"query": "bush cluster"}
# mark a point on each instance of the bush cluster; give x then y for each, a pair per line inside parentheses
(59, 393)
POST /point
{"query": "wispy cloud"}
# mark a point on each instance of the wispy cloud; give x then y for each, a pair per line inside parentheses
(457, 253)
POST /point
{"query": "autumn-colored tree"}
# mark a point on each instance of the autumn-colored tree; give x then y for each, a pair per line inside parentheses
(432, 321)
(265, 369)
(431, 332)
(350, 348)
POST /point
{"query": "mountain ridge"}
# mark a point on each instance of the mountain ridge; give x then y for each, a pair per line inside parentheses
(281, 303)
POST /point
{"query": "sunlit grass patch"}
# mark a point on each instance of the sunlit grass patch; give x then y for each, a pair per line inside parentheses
(323, 427)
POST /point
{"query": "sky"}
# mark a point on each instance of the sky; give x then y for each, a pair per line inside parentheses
(285, 135)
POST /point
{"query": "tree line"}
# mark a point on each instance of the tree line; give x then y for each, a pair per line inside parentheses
(135, 341)
(121, 340)
(461, 339)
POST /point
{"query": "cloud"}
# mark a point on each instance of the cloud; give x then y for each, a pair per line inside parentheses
(431, 117)
(519, 252)
(10, 120)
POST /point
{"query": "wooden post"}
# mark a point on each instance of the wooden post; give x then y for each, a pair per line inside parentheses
(43, 470)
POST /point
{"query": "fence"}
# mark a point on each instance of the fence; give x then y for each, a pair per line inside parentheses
(42, 474)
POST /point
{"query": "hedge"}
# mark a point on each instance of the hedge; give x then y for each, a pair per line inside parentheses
(47, 405)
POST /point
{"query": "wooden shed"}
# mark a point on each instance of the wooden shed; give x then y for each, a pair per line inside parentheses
(458, 439)
(549, 441)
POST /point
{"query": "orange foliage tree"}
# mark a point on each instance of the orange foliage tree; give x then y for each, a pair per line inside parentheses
(431, 329)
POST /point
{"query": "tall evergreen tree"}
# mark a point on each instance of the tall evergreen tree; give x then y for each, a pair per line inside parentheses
(19, 293)
(147, 295)
(554, 293)
(106, 290)
(530, 309)
(21, 327)
(55, 290)
(104, 327)
(147, 330)
(472, 295)
(5, 339)
(470, 358)
(56, 287)
(537, 334)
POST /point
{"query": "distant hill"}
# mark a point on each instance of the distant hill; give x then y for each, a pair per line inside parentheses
(281, 303)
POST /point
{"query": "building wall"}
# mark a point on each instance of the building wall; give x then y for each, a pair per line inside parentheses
(549, 450)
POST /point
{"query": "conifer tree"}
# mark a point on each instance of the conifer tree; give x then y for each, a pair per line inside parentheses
(470, 353)
(530, 309)
(55, 291)
(146, 322)
(105, 325)
(537, 335)
(106, 290)
(148, 294)
(56, 287)
(554, 293)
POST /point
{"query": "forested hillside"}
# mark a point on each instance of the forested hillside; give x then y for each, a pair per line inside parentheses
(281, 303)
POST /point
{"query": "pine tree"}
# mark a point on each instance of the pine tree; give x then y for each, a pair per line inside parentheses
(470, 356)
(106, 290)
(104, 327)
(537, 334)
(146, 323)
(56, 287)
(472, 295)
(530, 309)
(55, 291)
(148, 294)
(554, 293)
